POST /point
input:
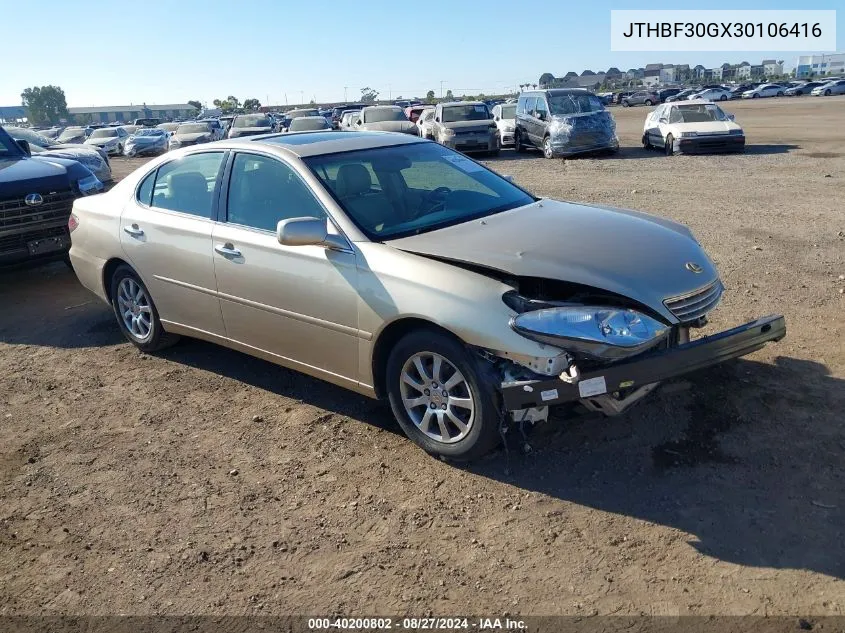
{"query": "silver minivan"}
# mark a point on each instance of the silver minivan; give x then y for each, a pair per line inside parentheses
(564, 122)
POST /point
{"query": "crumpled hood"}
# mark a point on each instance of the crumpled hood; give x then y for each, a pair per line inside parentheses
(145, 140)
(707, 127)
(191, 138)
(102, 141)
(630, 253)
(390, 126)
(466, 126)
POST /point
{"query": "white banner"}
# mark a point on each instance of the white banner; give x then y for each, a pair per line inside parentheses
(723, 30)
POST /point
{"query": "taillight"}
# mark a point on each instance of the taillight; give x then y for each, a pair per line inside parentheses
(72, 223)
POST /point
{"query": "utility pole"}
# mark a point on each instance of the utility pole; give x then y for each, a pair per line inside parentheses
(301, 97)
(441, 88)
(345, 98)
(389, 92)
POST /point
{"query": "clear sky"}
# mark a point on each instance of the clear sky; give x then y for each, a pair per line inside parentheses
(157, 52)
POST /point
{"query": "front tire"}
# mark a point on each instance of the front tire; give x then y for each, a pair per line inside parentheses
(723, 98)
(670, 145)
(548, 152)
(136, 313)
(518, 147)
(648, 102)
(827, 92)
(439, 398)
(780, 94)
(755, 96)
(646, 142)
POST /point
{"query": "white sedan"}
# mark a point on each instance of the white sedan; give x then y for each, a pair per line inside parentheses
(712, 94)
(692, 127)
(764, 90)
(504, 114)
(425, 124)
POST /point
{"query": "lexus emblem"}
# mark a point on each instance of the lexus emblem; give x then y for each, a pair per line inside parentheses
(33, 199)
(693, 267)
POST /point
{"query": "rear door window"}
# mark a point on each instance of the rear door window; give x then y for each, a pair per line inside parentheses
(187, 185)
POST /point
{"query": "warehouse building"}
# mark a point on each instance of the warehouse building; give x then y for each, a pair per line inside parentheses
(819, 65)
(128, 113)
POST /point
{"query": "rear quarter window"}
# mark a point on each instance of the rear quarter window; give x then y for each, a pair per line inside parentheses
(144, 195)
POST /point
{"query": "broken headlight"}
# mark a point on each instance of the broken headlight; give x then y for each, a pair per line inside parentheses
(594, 331)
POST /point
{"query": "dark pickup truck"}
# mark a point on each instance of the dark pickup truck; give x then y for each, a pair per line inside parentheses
(36, 196)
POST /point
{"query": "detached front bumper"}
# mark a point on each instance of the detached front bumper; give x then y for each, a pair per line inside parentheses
(647, 368)
(710, 144)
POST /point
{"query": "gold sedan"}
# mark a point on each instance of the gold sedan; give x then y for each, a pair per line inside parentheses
(398, 268)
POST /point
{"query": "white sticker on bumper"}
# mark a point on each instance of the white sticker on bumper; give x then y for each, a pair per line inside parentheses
(592, 387)
(550, 394)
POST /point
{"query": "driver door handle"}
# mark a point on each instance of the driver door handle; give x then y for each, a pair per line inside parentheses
(227, 250)
(133, 230)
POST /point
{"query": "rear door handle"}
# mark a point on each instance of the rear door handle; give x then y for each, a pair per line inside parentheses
(133, 230)
(227, 250)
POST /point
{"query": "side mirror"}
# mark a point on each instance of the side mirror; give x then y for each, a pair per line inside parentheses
(731, 117)
(663, 119)
(496, 118)
(308, 232)
(24, 145)
(507, 177)
(437, 118)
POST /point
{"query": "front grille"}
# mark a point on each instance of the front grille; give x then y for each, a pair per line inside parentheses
(16, 214)
(20, 240)
(470, 132)
(691, 306)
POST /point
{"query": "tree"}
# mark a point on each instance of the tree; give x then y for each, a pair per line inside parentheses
(449, 95)
(196, 104)
(44, 104)
(368, 95)
(217, 103)
(251, 104)
(429, 96)
(233, 102)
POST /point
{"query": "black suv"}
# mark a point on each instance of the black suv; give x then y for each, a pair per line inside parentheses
(36, 197)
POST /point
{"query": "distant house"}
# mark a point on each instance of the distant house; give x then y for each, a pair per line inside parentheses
(772, 68)
(613, 73)
(12, 114)
(634, 73)
(698, 72)
(127, 113)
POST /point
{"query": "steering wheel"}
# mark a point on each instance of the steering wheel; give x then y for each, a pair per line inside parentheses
(434, 201)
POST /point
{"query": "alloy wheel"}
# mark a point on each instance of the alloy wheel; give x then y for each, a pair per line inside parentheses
(547, 148)
(135, 309)
(437, 397)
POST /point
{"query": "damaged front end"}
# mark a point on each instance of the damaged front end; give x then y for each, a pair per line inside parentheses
(613, 352)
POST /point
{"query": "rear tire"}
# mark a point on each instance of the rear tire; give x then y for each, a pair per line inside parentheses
(136, 313)
(469, 413)
(780, 93)
(625, 104)
(723, 98)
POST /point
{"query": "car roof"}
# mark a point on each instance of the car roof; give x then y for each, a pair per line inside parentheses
(564, 91)
(691, 102)
(305, 144)
(382, 107)
(462, 103)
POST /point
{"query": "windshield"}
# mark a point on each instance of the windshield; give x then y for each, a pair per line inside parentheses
(455, 113)
(392, 192)
(377, 115)
(252, 120)
(153, 131)
(71, 133)
(574, 104)
(308, 123)
(293, 114)
(30, 136)
(698, 113)
(106, 132)
(193, 128)
(8, 147)
(509, 111)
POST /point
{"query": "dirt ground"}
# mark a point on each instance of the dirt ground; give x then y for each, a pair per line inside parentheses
(145, 484)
